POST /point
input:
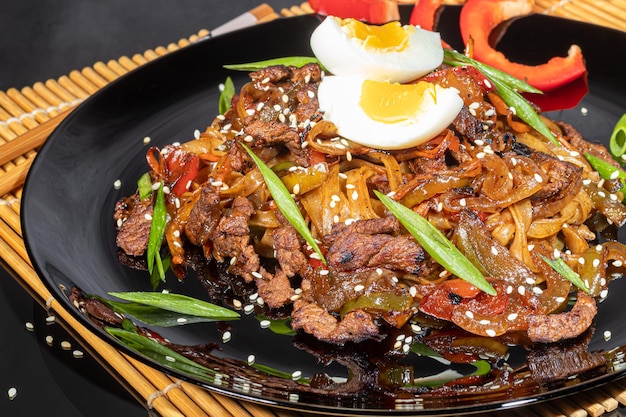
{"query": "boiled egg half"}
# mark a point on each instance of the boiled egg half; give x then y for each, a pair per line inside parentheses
(385, 115)
(390, 52)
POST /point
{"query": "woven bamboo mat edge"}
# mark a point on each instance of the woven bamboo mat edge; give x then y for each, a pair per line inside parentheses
(38, 108)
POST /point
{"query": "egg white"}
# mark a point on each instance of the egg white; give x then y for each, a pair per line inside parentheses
(343, 55)
(339, 98)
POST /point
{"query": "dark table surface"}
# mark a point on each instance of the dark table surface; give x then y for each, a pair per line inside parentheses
(42, 40)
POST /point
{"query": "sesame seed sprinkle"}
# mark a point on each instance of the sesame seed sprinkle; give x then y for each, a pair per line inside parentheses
(359, 288)
(607, 335)
(29, 326)
(12, 393)
(469, 314)
(146, 140)
(490, 332)
(226, 337)
(265, 324)
(78, 354)
(296, 375)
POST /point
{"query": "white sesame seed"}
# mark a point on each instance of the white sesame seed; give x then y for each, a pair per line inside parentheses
(480, 155)
(226, 336)
(233, 260)
(511, 317)
(469, 314)
(413, 291)
(251, 359)
(296, 375)
(78, 354)
(359, 288)
(181, 320)
(146, 140)
(336, 218)
(350, 186)
(463, 202)
(617, 263)
(249, 308)
(324, 272)
(49, 340)
(416, 328)
(537, 291)
(596, 262)
(487, 83)
(509, 289)
(557, 253)
(560, 299)
(521, 290)
(265, 324)
(12, 393)
(574, 153)
(29, 326)
(530, 281)
(474, 105)
(485, 322)
(602, 194)
(490, 332)
(65, 345)
(355, 195)
(379, 271)
(538, 178)
(607, 335)
(50, 319)
(406, 347)
(237, 304)
(397, 345)
(494, 250)
(604, 293)
(531, 247)
(583, 111)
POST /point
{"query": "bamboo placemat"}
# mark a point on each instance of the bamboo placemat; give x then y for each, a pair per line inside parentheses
(28, 115)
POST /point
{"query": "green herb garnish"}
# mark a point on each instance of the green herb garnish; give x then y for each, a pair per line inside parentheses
(161, 354)
(226, 95)
(560, 266)
(156, 316)
(285, 202)
(144, 186)
(507, 87)
(157, 231)
(178, 303)
(436, 244)
(278, 326)
(606, 170)
(296, 61)
(617, 143)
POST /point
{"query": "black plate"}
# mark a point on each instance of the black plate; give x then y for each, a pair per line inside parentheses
(69, 198)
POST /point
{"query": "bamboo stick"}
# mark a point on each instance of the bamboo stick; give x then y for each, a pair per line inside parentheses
(83, 82)
(27, 106)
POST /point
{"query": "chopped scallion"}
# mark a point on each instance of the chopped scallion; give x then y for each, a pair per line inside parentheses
(285, 202)
(563, 268)
(226, 95)
(296, 61)
(436, 244)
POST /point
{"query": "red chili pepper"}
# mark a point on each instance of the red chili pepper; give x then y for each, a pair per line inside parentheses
(372, 11)
(182, 167)
(480, 17)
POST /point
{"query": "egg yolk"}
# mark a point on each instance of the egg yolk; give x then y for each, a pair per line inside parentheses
(389, 37)
(392, 102)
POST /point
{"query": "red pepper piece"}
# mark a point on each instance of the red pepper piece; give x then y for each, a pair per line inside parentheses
(477, 77)
(480, 17)
(424, 14)
(371, 11)
(182, 167)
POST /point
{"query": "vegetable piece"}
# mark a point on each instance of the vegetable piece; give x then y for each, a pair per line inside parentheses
(144, 186)
(372, 11)
(507, 87)
(424, 13)
(182, 168)
(285, 202)
(480, 17)
(162, 354)
(157, 231)
(296, 61)
(617, 143)
(178, 303)
(436, 244)
(606, 170)
(562, 268)
(156, 316)
(226, 95)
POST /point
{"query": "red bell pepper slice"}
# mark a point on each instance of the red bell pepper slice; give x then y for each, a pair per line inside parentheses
(182, 167)
(480, 17)
(424, 14)
(371, 11)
